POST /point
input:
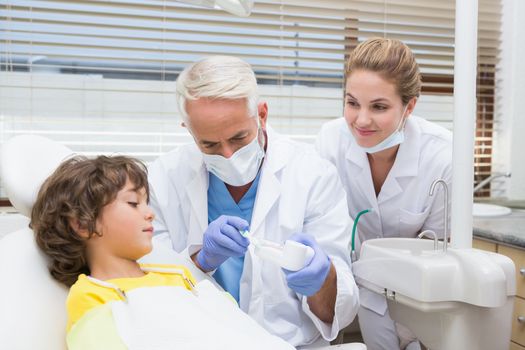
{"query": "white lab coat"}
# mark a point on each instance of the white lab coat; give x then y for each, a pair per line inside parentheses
(403, 207)
(298, 192)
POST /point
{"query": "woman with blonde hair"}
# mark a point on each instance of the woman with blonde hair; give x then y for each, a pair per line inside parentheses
(387, 160)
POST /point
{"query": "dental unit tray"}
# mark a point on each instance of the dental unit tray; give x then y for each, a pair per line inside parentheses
(291, 255)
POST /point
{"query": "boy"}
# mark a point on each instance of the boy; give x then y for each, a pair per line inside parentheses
(92, 219)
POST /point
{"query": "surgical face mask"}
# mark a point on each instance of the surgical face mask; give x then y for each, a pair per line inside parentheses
(241, 168)
(394, 139)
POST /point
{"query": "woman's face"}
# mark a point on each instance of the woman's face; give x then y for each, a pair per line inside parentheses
(373, 109)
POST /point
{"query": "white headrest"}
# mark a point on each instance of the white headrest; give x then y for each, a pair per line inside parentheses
(25, 162)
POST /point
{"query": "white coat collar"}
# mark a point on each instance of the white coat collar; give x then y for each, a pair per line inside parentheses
(269, 189)
(406, 163)
(407, 159)
(197, 193)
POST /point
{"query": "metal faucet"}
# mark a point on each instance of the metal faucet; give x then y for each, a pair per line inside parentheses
(433, 236)
(445, 190)
(480, 185)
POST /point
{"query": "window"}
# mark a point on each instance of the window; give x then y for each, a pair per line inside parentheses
(99, 75)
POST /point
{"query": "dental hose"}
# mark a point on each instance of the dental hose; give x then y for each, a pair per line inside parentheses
(354, 229)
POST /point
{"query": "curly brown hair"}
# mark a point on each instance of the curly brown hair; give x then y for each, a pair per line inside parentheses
(76, 192)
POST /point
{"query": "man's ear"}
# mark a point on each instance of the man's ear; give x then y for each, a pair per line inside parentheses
(262, 112)
(75, 225)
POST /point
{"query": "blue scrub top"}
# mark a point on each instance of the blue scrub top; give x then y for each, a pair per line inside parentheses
(220, 202)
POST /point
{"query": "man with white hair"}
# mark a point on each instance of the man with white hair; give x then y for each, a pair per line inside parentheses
(239, 175)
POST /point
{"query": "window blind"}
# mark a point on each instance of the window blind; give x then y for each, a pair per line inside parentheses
(99, 75)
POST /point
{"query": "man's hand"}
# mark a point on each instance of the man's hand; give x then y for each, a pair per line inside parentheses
(221, 241)
(310, 278)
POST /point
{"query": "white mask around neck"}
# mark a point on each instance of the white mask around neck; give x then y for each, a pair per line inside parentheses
(394, 139)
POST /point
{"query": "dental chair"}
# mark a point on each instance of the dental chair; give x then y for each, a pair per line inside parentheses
(32, 304)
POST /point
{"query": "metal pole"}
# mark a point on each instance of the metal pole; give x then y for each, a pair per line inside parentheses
(465, 66)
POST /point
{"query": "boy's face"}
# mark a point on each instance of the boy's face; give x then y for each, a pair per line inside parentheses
(125, 225)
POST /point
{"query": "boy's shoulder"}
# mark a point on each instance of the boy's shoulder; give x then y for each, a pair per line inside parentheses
(81, 289)
(84, 296)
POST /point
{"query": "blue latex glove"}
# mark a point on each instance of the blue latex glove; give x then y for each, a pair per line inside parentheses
(221, 241)
(310, 278)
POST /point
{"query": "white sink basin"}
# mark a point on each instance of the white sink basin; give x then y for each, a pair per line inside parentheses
(458, 299)
(412, 268)
(489, 210)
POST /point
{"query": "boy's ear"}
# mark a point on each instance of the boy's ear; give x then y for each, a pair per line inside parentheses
(75, 225)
